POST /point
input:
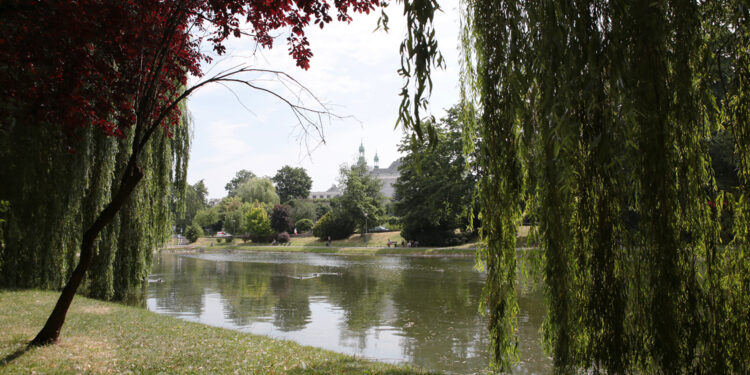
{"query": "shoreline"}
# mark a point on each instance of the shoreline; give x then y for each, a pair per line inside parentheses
(108, 337)
(348, 250)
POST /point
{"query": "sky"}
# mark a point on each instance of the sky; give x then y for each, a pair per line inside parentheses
(353, 73)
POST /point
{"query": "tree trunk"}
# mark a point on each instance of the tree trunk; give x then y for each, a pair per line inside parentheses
(51, 330)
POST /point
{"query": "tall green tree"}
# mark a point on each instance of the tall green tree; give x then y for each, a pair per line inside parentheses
(589, 111)
(302, 209)
(362, 202)
(435, 189)
(292, 183)
(196, 199)
(242, 176)
(232, 213)
(258, 190)
(208, 219)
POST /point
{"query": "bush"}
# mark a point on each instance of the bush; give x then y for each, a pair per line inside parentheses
(428, 235)
(304, 225)
(258, 225)
(335, 225)
(281, 218)
(282, 237)
(193, 232)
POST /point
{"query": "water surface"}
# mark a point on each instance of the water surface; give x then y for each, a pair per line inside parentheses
(421, 311)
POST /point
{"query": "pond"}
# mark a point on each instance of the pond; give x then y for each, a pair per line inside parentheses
(416, 310)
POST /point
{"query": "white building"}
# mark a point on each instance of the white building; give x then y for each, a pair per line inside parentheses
(333, 191)
(387, 177)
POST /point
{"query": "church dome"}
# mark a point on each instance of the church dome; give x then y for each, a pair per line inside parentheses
(361, 148)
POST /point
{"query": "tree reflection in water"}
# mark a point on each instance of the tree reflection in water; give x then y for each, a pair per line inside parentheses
(397, 309)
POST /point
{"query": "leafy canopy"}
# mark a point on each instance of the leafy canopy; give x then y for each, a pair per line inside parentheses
(302, 209)
(292, 183)
(240, 178)
(97, 63)
(258, 225)
(196, 199)
(335, 225)
(434, 191)
(258, 190)
(281, 218)
(362, 202)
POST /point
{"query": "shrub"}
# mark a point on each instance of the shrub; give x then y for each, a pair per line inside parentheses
(429, 235)
(258, 225)
(335, 225)
(193, 232)
(282, 237)
(304, 225)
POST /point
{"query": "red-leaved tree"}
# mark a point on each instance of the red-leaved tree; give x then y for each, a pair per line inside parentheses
(122, 65)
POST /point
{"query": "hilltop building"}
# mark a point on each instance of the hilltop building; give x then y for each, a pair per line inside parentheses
(387, 177)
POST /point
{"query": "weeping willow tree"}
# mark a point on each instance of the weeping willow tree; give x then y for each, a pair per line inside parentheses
(598, 116)
(54, 193)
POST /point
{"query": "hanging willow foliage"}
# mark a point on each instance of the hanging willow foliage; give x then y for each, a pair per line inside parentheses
(598, 116)
(54, 193)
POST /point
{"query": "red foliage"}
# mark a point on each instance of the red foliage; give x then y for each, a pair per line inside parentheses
(101, 62)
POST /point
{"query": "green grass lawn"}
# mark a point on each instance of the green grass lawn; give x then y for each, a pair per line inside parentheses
(108, 338)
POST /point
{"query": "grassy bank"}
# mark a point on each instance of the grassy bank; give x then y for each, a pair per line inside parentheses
(355, 244)
(355, 240)
(101, 337)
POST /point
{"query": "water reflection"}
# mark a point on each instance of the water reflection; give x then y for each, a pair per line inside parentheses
(397, 309)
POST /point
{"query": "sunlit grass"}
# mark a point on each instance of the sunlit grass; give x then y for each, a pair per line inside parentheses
(107, 338)
(373, 239)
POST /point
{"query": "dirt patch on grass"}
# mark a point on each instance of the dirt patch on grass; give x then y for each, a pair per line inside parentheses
(79, 354)
(97, 310)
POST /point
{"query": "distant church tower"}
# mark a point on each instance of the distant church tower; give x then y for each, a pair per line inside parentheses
(377, 161)
(361, 159)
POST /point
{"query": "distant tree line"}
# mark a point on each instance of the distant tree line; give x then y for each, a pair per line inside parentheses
(252, 209)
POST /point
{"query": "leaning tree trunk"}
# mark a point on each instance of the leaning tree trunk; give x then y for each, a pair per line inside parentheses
(51, 330)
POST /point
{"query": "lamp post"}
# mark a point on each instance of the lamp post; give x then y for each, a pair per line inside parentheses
(365, 229)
